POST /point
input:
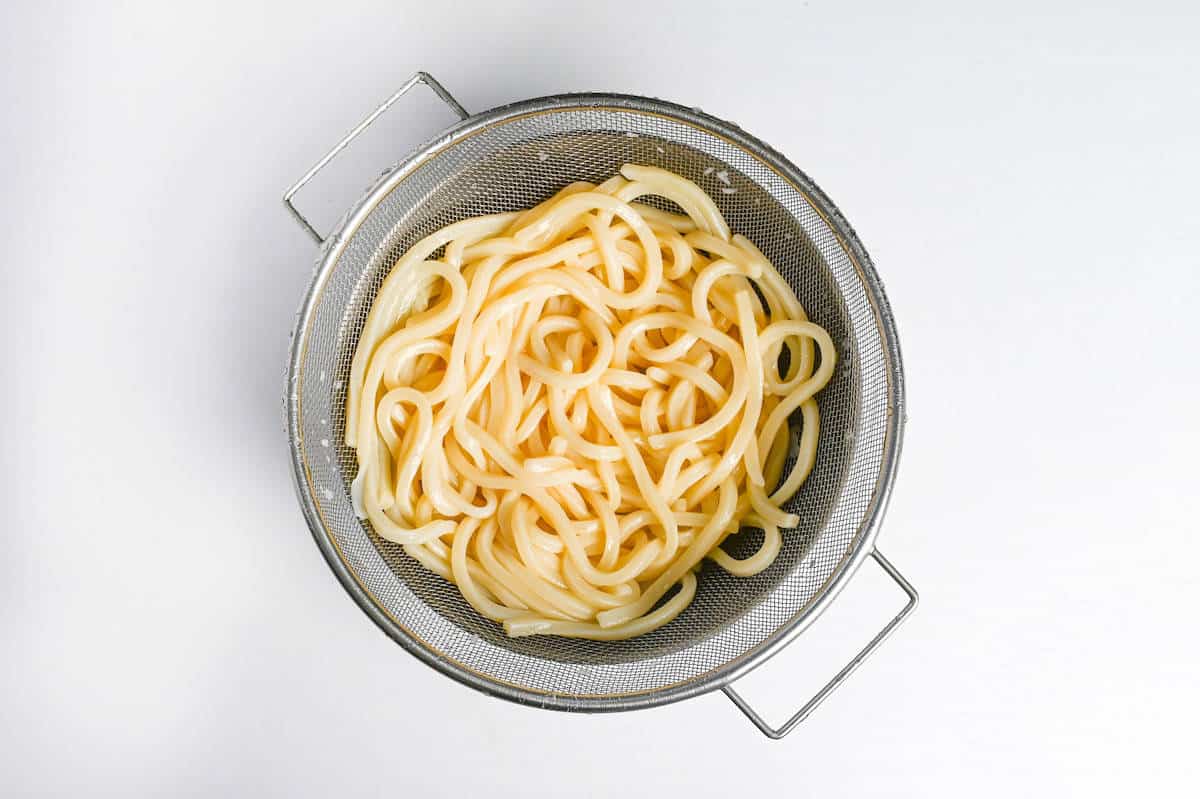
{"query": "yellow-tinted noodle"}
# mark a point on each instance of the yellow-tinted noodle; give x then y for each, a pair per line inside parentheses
(574, 405)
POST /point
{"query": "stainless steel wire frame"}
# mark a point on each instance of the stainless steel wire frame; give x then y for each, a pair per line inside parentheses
(512, 157)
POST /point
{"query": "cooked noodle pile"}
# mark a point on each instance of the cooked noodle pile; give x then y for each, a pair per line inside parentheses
(574, 405)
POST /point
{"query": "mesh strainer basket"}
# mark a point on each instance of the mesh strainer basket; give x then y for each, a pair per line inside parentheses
(511, 158)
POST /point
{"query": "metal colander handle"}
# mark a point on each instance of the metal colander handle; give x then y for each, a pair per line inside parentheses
(419, 77)
(775, 733)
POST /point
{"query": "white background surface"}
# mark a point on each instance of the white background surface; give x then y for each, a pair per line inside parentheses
(1025, 179)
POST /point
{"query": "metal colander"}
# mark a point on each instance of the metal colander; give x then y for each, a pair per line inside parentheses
(511, 158)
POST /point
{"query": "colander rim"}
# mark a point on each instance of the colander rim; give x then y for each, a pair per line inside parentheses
(327, 258)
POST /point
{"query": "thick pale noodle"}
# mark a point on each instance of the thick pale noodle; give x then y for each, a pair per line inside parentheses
(573, 406)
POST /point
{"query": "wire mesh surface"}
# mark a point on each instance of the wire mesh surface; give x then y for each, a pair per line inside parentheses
(512, 161)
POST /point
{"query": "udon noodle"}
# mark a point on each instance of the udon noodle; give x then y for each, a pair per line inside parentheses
(564, 410)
